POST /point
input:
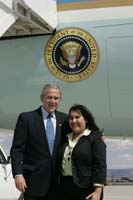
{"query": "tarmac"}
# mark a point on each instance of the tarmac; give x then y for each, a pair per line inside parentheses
(113, 192)
(118, 192)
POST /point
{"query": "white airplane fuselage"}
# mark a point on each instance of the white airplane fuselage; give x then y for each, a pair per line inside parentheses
(107, 92)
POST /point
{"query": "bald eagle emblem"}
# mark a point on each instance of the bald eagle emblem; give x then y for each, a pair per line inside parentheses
(72, 54)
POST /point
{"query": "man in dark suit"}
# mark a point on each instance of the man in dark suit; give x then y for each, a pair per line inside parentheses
(33, 164)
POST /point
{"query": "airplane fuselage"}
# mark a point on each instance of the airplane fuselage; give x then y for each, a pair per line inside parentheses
(104, 42)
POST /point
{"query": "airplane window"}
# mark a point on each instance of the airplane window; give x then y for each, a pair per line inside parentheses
(2, 158)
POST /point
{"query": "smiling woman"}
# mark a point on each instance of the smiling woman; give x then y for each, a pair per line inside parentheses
(82, 158)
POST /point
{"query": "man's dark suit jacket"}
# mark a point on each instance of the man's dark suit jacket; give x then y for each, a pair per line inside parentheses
(88, 161)
(30, 153)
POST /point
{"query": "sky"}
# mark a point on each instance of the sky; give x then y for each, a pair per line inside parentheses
(119, 151)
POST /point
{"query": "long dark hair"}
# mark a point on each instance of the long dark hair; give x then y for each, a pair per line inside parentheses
(91, 124)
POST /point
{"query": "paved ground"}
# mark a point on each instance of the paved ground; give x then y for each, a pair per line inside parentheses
(124, 192)
(114, 193)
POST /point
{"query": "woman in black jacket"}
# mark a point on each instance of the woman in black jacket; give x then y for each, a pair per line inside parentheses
(82, 158)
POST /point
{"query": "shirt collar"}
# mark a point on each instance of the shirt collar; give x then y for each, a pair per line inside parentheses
(45, 113)
(86, 132)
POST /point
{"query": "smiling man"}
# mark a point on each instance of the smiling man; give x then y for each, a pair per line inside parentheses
(36, 141)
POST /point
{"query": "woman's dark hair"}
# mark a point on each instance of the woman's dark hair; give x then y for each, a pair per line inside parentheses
(91, 124)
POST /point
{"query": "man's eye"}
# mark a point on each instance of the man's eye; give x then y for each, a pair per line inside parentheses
(55, 98)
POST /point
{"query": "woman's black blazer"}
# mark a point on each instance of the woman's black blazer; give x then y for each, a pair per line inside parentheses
(88, 160)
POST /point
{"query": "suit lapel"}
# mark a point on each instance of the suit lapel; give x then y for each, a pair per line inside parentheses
(39, 125)
(58, 131)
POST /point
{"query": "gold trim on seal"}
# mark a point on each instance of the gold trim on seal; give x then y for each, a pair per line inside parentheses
(72, 65)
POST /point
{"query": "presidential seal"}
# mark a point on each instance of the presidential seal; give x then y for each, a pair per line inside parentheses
(72, 54)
